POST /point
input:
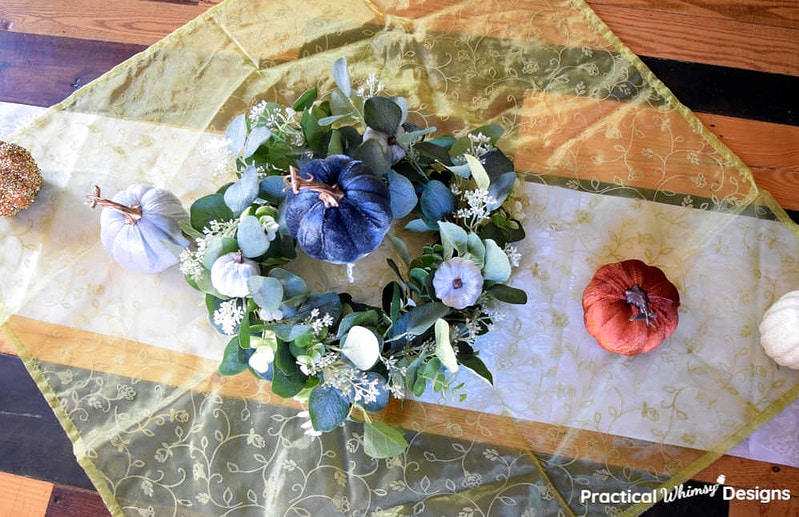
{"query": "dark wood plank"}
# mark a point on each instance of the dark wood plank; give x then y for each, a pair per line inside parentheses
(32, 442)
(44, 70)
(68, 501)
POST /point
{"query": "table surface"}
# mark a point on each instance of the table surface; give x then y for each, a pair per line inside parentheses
(735, 63)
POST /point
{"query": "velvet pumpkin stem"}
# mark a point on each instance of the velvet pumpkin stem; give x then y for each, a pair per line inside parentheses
(132, 213)
(329, 194)
(639, 299)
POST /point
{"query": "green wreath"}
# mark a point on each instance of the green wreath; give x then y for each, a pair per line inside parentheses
(331, 177)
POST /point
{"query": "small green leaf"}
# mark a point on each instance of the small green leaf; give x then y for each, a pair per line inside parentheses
(478, 172)
(381, 440)
(328, 408)
(251, 237)
(476, 249)
(286, 386)
(419, 225)
(401, 248)
(476, 365)
(444, 350)
(266, 292)
(305, 100)
(497, 264)
(342, 76)
(507, 294)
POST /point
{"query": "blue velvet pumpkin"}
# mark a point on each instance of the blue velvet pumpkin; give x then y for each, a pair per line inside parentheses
(337, 209)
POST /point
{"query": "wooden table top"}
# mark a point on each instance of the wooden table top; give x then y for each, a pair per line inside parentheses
(735, 63)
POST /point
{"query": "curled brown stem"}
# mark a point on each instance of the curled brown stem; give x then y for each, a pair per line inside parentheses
(132, 213)
(329, 194)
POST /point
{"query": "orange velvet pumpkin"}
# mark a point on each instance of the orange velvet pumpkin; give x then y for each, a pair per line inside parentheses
(630, 307)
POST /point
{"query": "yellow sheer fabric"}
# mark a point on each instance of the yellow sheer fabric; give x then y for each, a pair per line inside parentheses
(613, 168)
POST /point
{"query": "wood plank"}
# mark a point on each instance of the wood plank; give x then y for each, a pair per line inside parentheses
(141, 22)
(66, 63)
(782, 184)
(688, 38)
(68, 501)
(771, 13)
(759, 144)
(23, 497)
(739, 508)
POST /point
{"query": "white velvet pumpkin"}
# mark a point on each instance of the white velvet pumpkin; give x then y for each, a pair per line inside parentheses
(230, 272)
(147, 236)
(779, 330)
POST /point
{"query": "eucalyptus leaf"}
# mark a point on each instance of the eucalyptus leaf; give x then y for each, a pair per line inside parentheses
(209, 208)
(216, 247)
(293, 285)
(342, 76)
(328, 407)
(382, 440)
(476, 249)
(507, 294)
(383, 394)
(234, 358)
(251, 237)
(413, 136)
(257, 137)
(241, 194)
(286, 386)
(305, 100)
(362, 347)
(356, 318)
(453, 238)
(422, 317)
(419, 225)
(437, 201)
(402, 194)
(476, 365)
(272, 189)
(500, 188)
(266, 292)
(382, 114)
(444, 350)
(372, 154)
(497, 264)
(478, 172)
(236, 134)
(401, 248)
(327, 121)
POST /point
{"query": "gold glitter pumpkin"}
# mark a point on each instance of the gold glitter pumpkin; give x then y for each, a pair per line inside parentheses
(20, 179)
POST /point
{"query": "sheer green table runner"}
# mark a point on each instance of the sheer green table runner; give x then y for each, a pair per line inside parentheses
(613, 167)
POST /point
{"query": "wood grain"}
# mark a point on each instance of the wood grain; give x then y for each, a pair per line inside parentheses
(688, 38)
(133, 21)
(67, 501)
(23, 497)
(767, 13)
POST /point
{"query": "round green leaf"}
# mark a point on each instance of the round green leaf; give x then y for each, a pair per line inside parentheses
(497, 264)
(266, 292)
(241, 194)
(251, 237)
(328, 408)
